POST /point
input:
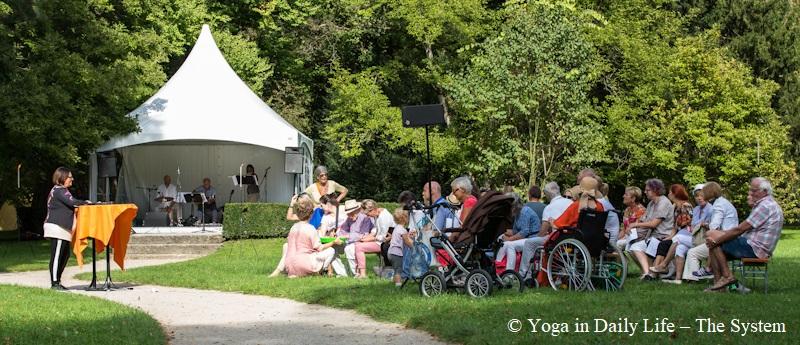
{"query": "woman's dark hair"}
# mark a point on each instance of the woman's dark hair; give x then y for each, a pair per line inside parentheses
(331, 199)
(324, 199)
(679, 192)
(60, 175)
(406, 198)
(535, 192)
(251, 168)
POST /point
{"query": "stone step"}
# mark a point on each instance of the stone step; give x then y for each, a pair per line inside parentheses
(173, 248)
(129, 256)
(199, 238)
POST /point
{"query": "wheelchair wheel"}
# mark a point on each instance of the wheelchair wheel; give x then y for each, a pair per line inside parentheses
(610, 272)
(432, 284)
(569, 266)
(479, 283)
(510, 280)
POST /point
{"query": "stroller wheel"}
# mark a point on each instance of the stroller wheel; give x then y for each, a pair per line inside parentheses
(432, 284)
(512, 281)
(479, 283)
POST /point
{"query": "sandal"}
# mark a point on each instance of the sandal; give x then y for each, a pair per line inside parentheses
(657, 270)
(724, 285)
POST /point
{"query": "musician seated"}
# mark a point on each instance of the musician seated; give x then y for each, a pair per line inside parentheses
(167, 196)
(209, 209)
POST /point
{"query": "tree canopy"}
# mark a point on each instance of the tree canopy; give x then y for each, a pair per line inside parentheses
(536, 90)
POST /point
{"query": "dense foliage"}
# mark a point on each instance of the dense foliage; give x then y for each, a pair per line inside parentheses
(534, 90)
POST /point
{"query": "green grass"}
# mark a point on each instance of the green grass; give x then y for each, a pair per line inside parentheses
(19, 256)
(243, 265)
(39, 316)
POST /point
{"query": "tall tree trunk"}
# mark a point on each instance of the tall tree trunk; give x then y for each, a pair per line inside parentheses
(429, 54)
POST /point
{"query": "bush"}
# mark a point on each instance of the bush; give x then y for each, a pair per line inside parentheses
(262, 220)
(255, 220)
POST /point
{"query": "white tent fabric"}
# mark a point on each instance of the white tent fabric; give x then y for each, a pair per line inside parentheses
(208, 122)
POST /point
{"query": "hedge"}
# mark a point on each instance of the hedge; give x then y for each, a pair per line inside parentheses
(262, 220)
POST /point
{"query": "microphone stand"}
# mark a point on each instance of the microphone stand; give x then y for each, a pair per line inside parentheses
(264, 179)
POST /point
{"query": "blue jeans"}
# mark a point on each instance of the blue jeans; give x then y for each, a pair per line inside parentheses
(738, 248)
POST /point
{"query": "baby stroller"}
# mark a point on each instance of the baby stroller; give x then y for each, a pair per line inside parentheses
(467, 262)
(581, 258)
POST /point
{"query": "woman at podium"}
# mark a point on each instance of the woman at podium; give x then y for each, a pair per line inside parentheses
(324, 186)
(58, 223)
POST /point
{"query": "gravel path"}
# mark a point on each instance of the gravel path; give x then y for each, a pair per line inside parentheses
(211, 317)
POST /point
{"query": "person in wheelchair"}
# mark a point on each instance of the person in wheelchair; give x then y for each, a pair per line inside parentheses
(756, 237)
(554, 209)
(526, 225)
(587, 195)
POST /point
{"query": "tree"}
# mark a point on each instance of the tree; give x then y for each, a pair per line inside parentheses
(682, 108)
(522, 105)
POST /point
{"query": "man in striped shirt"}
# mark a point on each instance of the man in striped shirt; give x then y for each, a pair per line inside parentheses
(757, 236)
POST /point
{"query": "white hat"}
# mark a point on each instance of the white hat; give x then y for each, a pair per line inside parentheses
(698, 187)
(351, 205)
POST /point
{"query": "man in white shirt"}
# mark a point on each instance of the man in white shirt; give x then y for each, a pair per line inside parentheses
(168, 195)
(612, 222)
(558, 204)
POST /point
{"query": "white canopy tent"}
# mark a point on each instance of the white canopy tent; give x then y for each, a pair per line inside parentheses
(204, 122)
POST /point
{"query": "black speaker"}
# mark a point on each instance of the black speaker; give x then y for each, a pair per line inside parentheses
(294, 160)
(107, 166)
(423, 115)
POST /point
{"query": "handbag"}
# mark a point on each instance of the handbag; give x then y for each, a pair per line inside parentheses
(699, 236)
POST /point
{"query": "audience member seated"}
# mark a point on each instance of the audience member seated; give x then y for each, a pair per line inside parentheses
(462, 189)
(325, 186)
(526, 225)
(634, 211)
(305, 253)
(355, 227)
(535, 201)
(612, 221)
(681, 236)
(723, 217)
(587, 195)
(371, 243)
(756, 237)
(658, 219)
(554, 209)
(701, 216)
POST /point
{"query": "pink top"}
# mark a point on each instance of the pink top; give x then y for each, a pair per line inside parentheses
(303, 247)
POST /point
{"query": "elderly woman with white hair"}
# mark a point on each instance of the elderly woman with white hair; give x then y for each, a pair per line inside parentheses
(324, 186)
(462, 190)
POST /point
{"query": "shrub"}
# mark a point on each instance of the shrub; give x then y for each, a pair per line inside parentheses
(262, 220)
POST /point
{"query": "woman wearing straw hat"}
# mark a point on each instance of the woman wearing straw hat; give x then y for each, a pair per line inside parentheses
(324, 186)
(586, 195)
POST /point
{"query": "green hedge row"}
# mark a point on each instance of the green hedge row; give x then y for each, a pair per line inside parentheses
(262, 220)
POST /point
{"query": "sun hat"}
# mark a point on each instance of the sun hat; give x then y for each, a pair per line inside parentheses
(452, 200)
(351, 205)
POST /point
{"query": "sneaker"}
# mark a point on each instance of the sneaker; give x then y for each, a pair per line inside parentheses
(58, 287)
(702, 273)
(740, 288)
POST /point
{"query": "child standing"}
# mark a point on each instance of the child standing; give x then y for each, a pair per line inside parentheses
(400, 238)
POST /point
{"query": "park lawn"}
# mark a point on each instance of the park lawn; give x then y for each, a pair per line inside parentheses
(243, 266)
(20, 256)
(40, 316)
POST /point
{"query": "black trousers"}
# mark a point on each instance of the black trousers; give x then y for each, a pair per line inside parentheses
(59, 255)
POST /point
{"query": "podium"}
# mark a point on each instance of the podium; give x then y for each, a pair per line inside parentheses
(107, 226)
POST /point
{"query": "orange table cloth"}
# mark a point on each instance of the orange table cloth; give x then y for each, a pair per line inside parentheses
(109, 225)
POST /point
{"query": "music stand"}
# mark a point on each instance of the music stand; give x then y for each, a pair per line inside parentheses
(241, 181)
(198, 198)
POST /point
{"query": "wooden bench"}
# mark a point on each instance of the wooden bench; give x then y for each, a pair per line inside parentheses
(752, 269)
